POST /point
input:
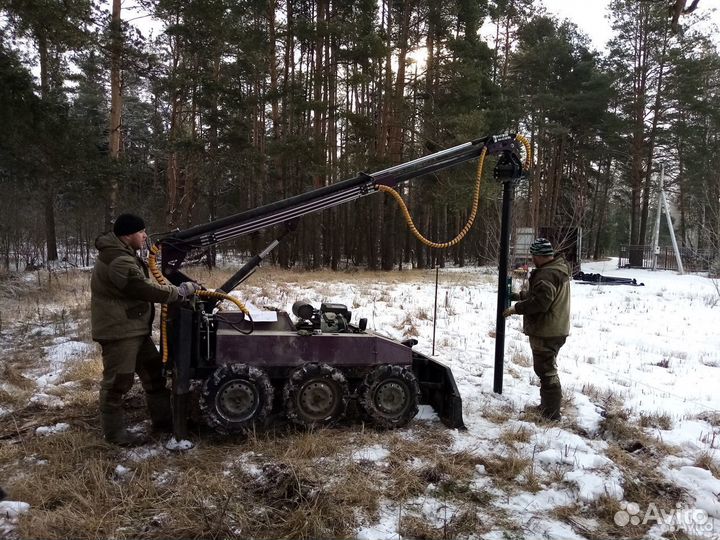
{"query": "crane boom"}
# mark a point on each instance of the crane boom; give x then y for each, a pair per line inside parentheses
(177, 244)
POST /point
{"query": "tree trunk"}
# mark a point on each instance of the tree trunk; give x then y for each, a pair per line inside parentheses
(116, 38)
(637, 148)
(651, 140)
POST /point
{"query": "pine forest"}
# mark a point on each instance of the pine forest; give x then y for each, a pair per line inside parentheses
(186, 111)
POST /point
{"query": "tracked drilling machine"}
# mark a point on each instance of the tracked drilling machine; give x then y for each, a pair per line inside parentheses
(309, 369)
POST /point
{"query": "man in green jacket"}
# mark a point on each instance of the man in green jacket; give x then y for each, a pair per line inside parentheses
(122, 312)
(545, 308)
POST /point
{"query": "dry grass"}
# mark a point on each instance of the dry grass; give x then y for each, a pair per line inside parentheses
(656, 420)
(618, 428)
(268, 278)
(81, 495)
(711, 417)
(708, 462)
(12, 376)
(282, 483)
(16, 398)
(414, 464)
(504, 469)
(522, 359)
(306, 490)
(521, 434)
(87, 371)
(462, 523)
(605, 398)
(499, 415)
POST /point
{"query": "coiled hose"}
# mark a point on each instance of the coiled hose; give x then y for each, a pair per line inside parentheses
(157, 274)
(475, 201)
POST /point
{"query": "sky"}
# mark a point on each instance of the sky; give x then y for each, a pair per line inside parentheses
(591, 16)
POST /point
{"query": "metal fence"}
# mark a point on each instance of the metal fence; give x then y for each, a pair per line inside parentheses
(694, 260)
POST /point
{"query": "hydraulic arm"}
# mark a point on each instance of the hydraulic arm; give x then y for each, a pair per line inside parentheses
(176, 245)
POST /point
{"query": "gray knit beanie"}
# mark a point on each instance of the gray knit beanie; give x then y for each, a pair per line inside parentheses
(542, 247)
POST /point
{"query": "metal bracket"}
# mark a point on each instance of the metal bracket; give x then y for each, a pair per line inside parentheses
(508, 167)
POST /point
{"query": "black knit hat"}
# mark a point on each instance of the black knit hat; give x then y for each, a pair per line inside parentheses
(542, 247)
(128, 224)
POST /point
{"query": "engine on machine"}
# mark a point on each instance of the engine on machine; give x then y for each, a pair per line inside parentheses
(330, 318)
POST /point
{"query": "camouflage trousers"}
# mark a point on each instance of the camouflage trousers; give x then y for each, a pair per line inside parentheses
(545, 351)
(122, 359)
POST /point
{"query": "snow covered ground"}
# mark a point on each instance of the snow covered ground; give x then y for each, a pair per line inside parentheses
(654, 348)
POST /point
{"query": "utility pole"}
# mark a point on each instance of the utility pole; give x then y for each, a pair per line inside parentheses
(672, 233)
(662, 203)
(656, 231)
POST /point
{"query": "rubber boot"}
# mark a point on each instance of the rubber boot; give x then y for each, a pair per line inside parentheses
(113, 426)
(158, 405)
(550, 400)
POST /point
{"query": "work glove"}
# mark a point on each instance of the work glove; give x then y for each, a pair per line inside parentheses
(187, 289)
(509, 311)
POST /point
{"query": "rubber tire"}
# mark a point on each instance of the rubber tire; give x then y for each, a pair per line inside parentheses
(374, 381)
(302, 376)
(255, 378)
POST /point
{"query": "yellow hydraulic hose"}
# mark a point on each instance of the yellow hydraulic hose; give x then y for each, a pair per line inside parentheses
(223, 296)
(475, 201)
(528, 155)
(157, 274)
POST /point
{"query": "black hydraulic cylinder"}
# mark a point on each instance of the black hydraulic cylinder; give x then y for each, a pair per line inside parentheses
(508, 195)
(183, 328)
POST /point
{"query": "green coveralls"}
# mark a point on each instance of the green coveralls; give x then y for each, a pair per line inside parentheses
(122, 312)
(545, 307)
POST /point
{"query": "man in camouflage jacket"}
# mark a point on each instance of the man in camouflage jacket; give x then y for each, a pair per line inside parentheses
(545, 307)
(122, 311)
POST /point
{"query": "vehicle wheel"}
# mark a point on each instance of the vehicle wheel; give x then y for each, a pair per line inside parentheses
(235, 397)
(316, 395)
(389, 396)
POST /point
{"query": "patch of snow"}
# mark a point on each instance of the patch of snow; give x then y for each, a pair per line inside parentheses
(592, 485)
(49, 379)
(386, 528)
(164, 478)
(588, 414)
(370, 453)
(50, 430)
(426, 414)
(690, 435)
(178, 446)
(33, 460)
(48, 401)
(142, 453)
(11, 509)
(542, 501)
(121, 470)
(436, 512)
(701, 485)
(62, 352)
(542, 527)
